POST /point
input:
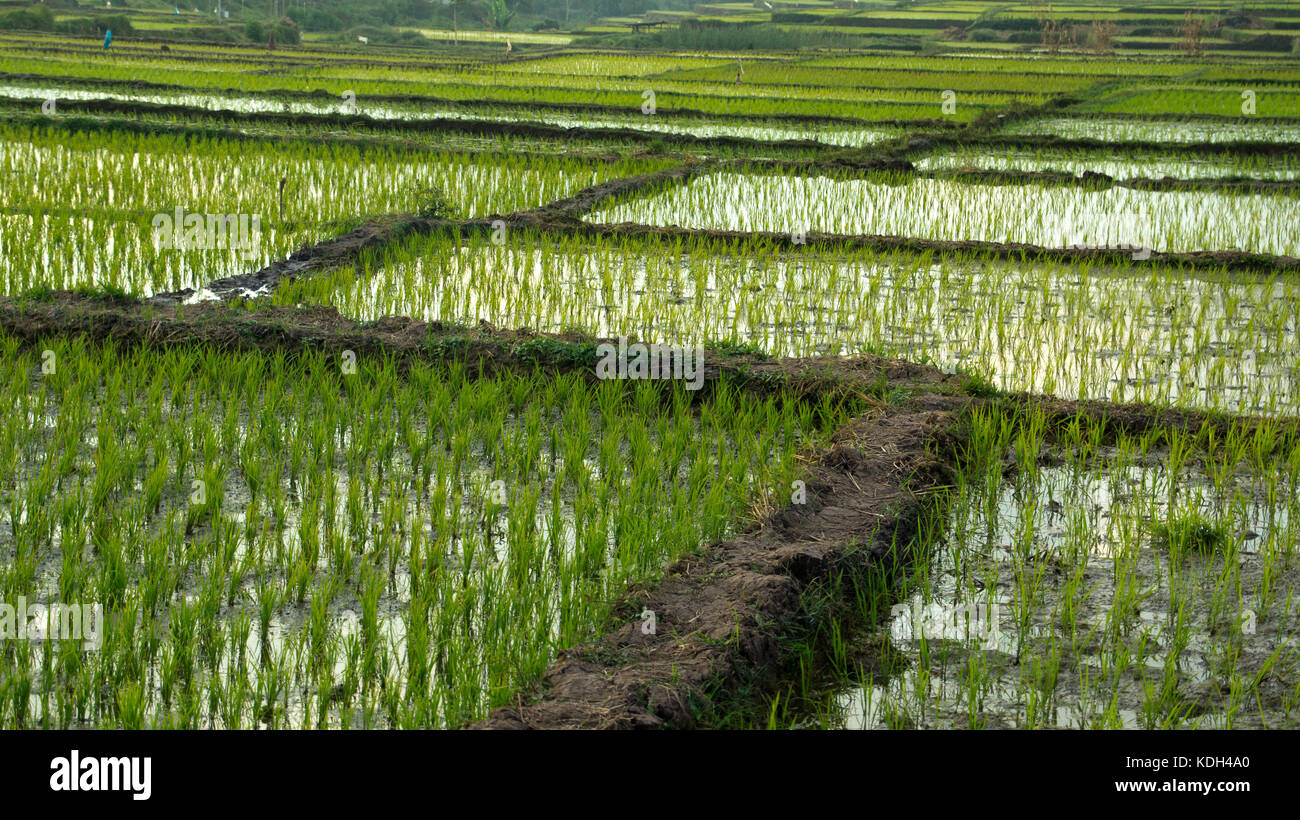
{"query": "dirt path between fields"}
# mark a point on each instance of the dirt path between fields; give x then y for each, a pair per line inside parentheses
(347, 248)
(726, 616)
(565, 216)
(483, 348)
(721, 617)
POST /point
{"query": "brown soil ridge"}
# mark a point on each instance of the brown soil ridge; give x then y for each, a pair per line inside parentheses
(320, 95)
(564, 216)
(1094, 179)
(1135, 418)
(423, 127)
(1040, 142)
(1218, 119)
(870, 167)
(1017, 251)
(345, 249)
(721, 616)
(331, 253)
(270, 328)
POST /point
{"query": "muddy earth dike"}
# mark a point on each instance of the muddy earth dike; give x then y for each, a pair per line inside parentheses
(424, 128)
(345, 249)
(565, 216)
(722, 618)
(725, 616)
(724, 611)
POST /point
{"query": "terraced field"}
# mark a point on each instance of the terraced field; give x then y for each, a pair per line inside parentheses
(578, 384)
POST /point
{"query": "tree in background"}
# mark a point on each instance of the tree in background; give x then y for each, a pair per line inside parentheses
(1101, 35)
(498, 15)
(1054, 32)
(1192, 32)
(456, 6)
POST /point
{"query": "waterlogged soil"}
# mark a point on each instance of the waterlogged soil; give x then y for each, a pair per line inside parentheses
(1126, 167)
(212, 126)
(1044, 215)
(466, 553)
(722, 615)
(807, 541)
(95, 249)
(1142, 130)
(1089, 621)
(1098, 332)
(386, 108)
(331, 117)
(345, 249)
(400, 106)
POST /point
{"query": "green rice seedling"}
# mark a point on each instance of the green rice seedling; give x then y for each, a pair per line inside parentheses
(1113, 332)
(1044, 215)
(1119, 607)
(1165, 129)
(324, 534)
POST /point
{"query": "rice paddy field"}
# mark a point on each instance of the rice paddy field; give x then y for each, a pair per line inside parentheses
(933, 376)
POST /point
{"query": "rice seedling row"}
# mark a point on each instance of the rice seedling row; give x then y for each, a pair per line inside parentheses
(292, 545)
(1123, 333)
(1142, 583)
(100, 209)
(1046, 216)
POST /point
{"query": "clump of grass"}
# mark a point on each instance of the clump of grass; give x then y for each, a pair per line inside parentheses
(103, 292)
(40, 293)
(433, 203)
(1191, 530)
(977, 384)
(734, 347)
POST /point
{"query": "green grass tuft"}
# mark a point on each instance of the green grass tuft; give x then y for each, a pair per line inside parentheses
(1191, 531)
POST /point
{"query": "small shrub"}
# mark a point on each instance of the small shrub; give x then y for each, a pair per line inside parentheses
(732, 347)
(977, 384)
(286, 32)
(431, 202)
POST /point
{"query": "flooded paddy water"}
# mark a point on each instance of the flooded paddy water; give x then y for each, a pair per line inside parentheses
(826, 133)
(1043, 215)
(87, 209)
(1155, 130)
(1130, 166)
(1098, 332)
(1088, 586)
(311, 548)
